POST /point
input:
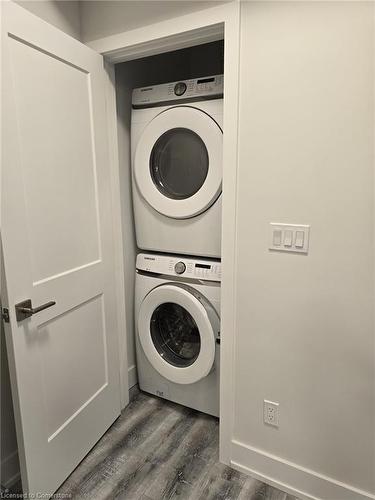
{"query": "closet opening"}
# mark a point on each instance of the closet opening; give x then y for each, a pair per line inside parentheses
(170, 135)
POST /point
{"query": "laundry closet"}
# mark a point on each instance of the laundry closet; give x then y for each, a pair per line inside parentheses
(197, 62)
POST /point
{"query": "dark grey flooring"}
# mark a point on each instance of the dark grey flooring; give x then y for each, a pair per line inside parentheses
(159, 450)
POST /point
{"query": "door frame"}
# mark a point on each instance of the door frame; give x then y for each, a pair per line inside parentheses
(199, 27)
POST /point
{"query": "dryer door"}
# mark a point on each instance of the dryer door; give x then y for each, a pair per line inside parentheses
(177, 329)
(178, 162)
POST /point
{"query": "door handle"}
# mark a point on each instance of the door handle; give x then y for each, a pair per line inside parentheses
(25, 309)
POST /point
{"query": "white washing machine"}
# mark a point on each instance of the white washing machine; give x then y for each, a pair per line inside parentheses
(177, 314)
(176, 141)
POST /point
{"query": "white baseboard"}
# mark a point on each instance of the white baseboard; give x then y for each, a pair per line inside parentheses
(292, 478)
(132, 376)
(10, 472)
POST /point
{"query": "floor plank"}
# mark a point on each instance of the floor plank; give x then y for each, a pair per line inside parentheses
(158, 450)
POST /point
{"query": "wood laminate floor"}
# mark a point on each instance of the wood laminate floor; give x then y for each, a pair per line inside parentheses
(158, 450)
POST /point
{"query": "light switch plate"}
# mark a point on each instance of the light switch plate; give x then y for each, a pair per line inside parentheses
(291, 237)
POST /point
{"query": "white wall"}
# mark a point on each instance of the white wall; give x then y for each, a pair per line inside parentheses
(65, 15)
(123, 98)
(105, 18)
(305, 324)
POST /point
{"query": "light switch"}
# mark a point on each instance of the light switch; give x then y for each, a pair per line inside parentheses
(300, 237)
(277, 237)
(288, 238)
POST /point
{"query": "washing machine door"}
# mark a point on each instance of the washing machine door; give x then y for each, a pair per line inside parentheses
(177, 328)
(178, 162)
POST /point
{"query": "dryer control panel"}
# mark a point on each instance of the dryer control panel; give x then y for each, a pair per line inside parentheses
(204, 269)
(209, 87)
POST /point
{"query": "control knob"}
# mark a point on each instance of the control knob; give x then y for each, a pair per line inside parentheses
(180, 268)
(180, 88)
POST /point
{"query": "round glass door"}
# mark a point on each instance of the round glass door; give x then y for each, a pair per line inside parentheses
(176, 330)
(179, 163)
(175, 334)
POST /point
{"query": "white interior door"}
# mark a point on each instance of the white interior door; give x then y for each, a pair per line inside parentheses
(58, 246)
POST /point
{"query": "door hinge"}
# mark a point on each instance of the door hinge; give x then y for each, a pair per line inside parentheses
(5, 314)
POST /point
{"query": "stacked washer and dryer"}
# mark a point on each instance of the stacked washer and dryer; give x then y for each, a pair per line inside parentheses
(176, 139)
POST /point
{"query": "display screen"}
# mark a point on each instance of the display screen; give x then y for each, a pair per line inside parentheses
(206, 80)
(203, 266)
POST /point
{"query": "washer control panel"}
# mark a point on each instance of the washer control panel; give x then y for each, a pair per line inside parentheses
(210, 87)
(204, 269)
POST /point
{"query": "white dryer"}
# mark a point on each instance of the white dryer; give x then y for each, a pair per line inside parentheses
(177, 314)
(176, 141)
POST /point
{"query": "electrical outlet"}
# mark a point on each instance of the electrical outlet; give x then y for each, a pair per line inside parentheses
(271, 413)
